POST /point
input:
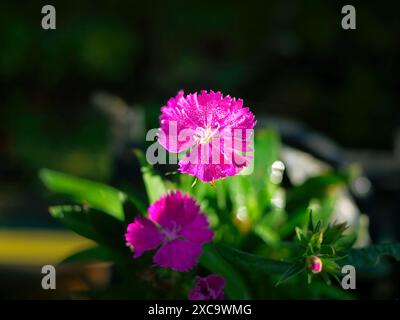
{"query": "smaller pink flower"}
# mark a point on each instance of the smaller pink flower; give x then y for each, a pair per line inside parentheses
(176, 226)
(314, 264)
(208, 288)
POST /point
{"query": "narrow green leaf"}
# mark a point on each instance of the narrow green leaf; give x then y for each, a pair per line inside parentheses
(310, 222)
(96, 194)
(98, 253)
(291, 272)
(154, 185)
(75, 218)
(215, 263)
(110, 231)
(251, 263)
(91, 223)
(137, 203)
(194, 183)
(267, 148)
(334, 232)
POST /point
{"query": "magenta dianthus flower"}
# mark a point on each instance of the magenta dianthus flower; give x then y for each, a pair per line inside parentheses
(208, 288)
(216, 129)
(177, 226)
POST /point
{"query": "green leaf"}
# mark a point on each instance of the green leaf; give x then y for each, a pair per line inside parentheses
(325, 277)
(267, 233)
(371, 256)
(346, 241)
(193, 183)
(291, 272)
(310, 222)
(267, 148)
(98, 253)
(75, 218)
(323, 209)
(91, 223)
(296, 219)
(330, 266)
(137, 203)
(132, 207)
(316, 240)
(300, 235)
(153, 183)
(314, 188)
(334, 232)
(215, 263)
(318, 227)
(96, 194)
(251, 263)
(110, 231)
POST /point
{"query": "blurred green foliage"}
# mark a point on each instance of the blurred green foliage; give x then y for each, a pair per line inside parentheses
(259, 243)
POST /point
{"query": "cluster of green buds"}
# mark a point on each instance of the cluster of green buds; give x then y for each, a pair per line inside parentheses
(318, 249)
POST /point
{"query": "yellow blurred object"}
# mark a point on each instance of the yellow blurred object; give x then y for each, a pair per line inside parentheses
(38, 246)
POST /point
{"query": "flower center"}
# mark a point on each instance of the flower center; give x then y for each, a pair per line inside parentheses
(205, 135)
(171, 233)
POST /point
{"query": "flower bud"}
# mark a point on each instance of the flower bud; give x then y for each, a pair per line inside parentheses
(314, 264)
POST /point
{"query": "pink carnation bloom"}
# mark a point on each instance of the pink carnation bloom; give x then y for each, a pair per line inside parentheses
(216, 130)
(177, 226)
(208, 288)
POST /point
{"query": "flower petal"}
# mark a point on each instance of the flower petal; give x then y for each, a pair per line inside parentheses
(208, 288)
(142, 234)
(198, 230)
(178, 120)
(224, 156)
(203, 163)
(200, 111)
(178, 255)
(174, 211)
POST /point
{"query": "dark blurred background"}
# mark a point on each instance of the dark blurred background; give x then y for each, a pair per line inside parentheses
(288, 59)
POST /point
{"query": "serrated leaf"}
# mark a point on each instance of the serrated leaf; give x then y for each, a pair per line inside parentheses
(346, 242)
(371, 256)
